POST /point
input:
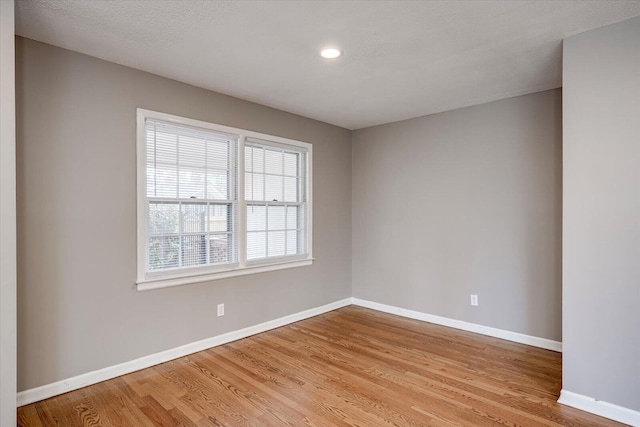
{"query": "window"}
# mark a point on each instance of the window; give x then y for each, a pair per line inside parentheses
(275, 194)
(216, 202)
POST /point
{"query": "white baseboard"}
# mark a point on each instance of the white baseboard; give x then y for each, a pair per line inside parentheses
(49, 390)
(568, 398)
(598, 407)
(465, 326)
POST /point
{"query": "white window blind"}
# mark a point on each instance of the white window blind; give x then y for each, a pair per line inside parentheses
(191, 193)
(276, 199)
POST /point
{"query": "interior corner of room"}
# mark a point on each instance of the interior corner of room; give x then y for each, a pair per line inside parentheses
(530, 203)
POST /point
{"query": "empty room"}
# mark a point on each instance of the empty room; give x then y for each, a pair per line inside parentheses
(319, 213)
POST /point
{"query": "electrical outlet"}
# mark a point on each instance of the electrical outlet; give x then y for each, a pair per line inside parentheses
(220, 310)
(474, 299)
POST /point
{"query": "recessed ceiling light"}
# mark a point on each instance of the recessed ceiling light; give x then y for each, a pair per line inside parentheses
(331, 53)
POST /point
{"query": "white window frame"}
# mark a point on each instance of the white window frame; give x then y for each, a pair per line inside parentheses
(175, 277)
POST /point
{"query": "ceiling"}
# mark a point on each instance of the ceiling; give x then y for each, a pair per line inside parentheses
(402, 59)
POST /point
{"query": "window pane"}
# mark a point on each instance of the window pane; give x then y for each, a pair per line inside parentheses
(273, 188)
(220, 218)
(151, 181)
(276, 218)
(273, 161)
(191, 183)
(150, 145)
(248, 156)
(257, 160)
(194, 217)
(291, 164)
(166, 148)
(166, 181)
(276, 243)
(218, 154)
(194, 250)
(221, 248)
(163, 218)
(256, 245)
(248, 186)
(256, 218)
(191, 151)
(293, 216)
(292, 242)
(164, 252)
(217, 185)
(291, 190)
(254, 187)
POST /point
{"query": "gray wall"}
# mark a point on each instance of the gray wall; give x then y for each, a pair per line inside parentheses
(8, 329)
(466, 201)
(78, 309)
(601, 242)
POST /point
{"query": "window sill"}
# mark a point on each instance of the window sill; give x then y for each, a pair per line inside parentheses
(159, 283)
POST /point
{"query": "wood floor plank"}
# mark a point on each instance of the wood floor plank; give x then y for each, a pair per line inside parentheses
(389, 380)
(449, 384)
(371, 399)
(348, 367)
(29, 416)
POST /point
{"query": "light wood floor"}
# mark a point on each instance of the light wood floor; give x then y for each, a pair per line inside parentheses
(352, 366)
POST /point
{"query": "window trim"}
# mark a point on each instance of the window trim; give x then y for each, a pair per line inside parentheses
(158, 279)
